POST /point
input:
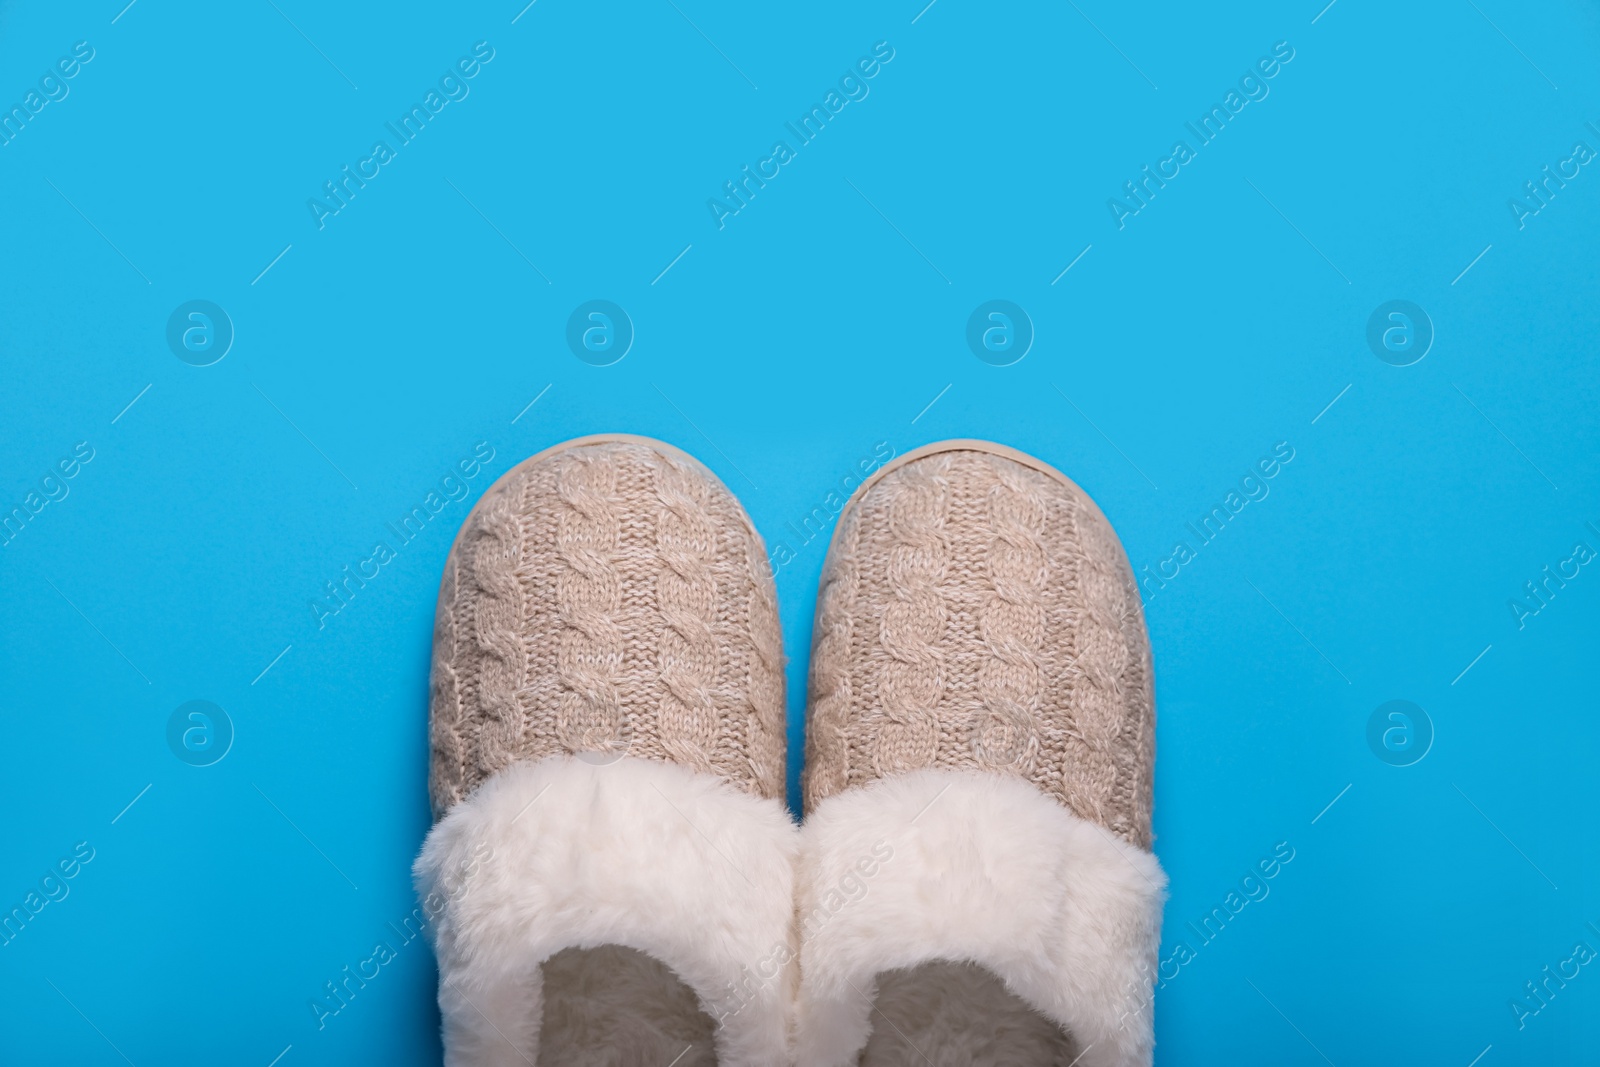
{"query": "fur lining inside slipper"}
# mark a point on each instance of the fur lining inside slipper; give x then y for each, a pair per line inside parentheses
(1037, 915)
(692, 875)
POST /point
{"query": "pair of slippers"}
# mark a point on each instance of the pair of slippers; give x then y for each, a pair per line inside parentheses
(613, 876)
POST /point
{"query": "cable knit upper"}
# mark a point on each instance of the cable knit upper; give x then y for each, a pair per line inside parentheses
(978, 612)
(607, 597)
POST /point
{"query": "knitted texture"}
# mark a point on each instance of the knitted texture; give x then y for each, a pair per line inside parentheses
(976, 612)
(607, 597)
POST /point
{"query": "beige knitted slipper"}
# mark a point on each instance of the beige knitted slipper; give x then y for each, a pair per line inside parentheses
(610, 872)
(975, 885)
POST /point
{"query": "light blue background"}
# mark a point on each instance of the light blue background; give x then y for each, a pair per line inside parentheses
(781, 349)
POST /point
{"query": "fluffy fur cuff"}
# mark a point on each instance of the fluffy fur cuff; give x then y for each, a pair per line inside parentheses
(966, 866)
(648, 855)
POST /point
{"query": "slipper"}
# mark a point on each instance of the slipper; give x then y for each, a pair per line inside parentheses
(975, 883)
(610, 873)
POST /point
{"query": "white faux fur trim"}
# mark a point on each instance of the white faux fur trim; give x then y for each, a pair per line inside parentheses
(967, 866)
(648, 855)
